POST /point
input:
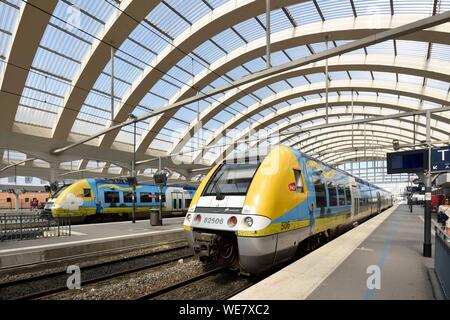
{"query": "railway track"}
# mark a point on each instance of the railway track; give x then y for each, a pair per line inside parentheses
(37, 267)
(180, 284)
(217, 283)
(48, 284)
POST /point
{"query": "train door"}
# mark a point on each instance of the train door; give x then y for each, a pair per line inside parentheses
(99, 199)
(355, 197)
(110, 200)
(177, 200)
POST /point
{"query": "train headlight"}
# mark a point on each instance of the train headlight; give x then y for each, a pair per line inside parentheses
(248, 221)
(198, 218)
(232, 221)
(188, 217)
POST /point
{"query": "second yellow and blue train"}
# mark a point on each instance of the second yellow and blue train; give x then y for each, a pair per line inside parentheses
(99, 199)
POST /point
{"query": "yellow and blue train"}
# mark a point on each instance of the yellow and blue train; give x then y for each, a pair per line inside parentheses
(252, 216)
(95, 199)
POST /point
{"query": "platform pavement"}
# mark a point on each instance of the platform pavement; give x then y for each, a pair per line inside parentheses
(89, 238)
(392, 241)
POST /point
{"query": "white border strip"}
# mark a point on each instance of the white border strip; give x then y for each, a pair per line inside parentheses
(298, 280)
(87, 240)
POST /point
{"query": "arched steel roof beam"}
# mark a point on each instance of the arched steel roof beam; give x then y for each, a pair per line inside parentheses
(420, 134)
(415, 91)
(357, 133)
(359, 156)
(358, 112)
(428, 94)
(335, 29)
(390, 34)
(317, 147)
(328, 145)
(339, 159)
(337, 85)
(116, 31)
(320, 103)
(347, 133)
(29, 30)
(220, 19)
(341, 150)
(306, 136)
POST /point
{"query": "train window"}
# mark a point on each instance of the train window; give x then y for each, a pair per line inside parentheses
(321, 197)
(112, 197)
(128, 197)
(180, 204)
(174, 203)
(187, 202)
(145, 197)
(60, 190)
(87, 193)
(348, 196)
(298, 180)
(333, 194)
(341, 194)
(8, 199)
(27, 199)
(231, 179)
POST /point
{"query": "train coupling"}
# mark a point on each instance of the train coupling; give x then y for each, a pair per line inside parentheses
(205, 246)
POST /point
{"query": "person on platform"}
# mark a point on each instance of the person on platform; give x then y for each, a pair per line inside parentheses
(444, 215)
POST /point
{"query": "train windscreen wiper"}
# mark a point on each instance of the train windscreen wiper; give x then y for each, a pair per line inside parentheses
(219, 195)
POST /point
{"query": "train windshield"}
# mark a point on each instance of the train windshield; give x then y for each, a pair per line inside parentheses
(231, 179)
(59, 190)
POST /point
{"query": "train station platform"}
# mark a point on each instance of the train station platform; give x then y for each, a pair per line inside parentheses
(388, 245)
(89, 238)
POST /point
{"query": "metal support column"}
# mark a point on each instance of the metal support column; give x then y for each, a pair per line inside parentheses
(160, 197)
(427, 222)
(133, 174)
(112, 84)
(326, 81)
(353, 118)
(269, 64)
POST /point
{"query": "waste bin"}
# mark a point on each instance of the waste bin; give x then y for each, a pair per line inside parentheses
(154, 218)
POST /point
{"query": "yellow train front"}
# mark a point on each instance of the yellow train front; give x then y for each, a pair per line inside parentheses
(252, 216)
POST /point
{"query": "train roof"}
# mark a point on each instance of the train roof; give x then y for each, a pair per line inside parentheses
(367, 183)
(125, 181)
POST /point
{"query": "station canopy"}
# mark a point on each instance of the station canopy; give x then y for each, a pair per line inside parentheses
(57, 58)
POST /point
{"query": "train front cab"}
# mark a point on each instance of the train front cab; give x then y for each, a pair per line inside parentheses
(250, 207)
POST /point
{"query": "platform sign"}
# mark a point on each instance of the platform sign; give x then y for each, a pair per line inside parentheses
(440, 159)
(413, 189)
(407, 161)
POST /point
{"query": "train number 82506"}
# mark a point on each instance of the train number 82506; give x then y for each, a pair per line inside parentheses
(213, 220)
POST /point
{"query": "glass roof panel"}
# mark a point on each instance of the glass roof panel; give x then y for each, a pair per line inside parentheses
(165, 19)
(335, 9)
(304, 13)
(373, 7)
(63, 48)
(250, 30)
(191, 10)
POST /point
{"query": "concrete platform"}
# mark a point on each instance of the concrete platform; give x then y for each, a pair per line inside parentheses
(88, 239)
(390, 242)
